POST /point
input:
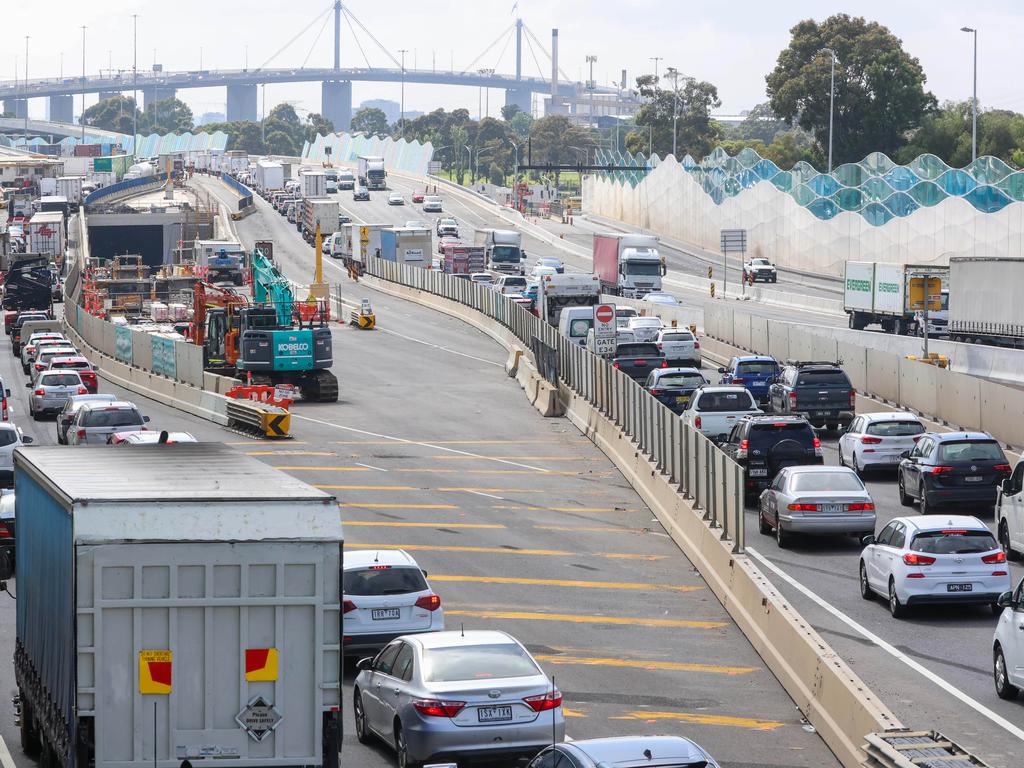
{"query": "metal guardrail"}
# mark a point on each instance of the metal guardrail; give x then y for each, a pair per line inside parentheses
(99, 195)
(698, 467)
(915, 749)
(246, 199)
(259, 419)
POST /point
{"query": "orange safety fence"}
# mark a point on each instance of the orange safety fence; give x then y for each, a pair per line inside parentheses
(282, 396)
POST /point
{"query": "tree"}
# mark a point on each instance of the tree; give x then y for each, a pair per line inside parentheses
(370, 121)
(114, 114)
(691, 105)
(879, 93)
(761, 124)
(317, 125)
(509, 111)
(556, 140)
(459, 137)
(166, 116)
(946, 133)
(521, 123)
(280, 143)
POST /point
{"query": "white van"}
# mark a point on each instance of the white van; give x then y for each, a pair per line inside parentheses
(575, 322)
(623, 315)
(336, 244)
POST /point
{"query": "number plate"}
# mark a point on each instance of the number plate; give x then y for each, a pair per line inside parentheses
(959, 587)
(894, 459)
(758, 472)
(378, 614)
(819, 413)
(682, 399)
(974, 479)
(832, 509)
(493, 714)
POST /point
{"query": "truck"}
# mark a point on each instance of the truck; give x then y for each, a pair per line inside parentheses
(346, 179)
(46, 234)
(322, 211)
(880, 293)
(458, 258)
(570, 289)
(984, 305)
(27, 285)
(371, 172)
(223, 260)
(312, 184)
(407, 245)
(503, 249)
(269, 176)
(353, 249)
(202, 626)
(70, 187)
(628, 265)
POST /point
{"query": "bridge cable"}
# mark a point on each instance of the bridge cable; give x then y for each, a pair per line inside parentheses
(315, 41)
(486, 50)
(533, 53)
(305, 29)
(347, 12)
(546, 53)
(508, 41)
(358, 44)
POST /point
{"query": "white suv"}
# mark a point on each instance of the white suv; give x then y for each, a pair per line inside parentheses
(385, 594)
(680, 347)
(714, 411)
(1010, 513)
(1008, 645)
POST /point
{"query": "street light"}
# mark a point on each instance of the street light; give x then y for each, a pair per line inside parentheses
(675, 107)
(974, 99)
(82, 117)
(831, 103)
(486, 72)
(135, 86)
(590, 87)
(403, 51)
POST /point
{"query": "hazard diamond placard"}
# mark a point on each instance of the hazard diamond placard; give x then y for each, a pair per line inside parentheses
(261, 665)
(155, 668)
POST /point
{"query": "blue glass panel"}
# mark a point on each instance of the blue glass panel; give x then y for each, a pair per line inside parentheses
(849, 199)
(956, 182)
(876, 189)
(901, 178)
(876, 214)
(987, 199)
(824, 185)
(927, 193)
(901, 204)
(766, 169)
(823, 208)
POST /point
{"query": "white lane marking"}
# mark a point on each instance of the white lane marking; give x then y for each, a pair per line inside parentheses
(406, 441)
(891, 650)
(369, 466)
(5, 755)
(438, 346)
(488, 495)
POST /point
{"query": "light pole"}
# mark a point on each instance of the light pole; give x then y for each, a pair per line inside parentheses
(974, 98)
(675, 107)
(831, 103)
(486, 72)
(656, 59)
(82, 118)
(590, 87)
(515, 173)
(135, 86)
(26, 91)
(401, 116)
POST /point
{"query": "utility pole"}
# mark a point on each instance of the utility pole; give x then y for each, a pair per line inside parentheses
(831, 104)
(82, 117)
(590, 86)
(974, 98)
(135, 86)
(26, 91)
(656, 59)
(403, 51)
(675, 107)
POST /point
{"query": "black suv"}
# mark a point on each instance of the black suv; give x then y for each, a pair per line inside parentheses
(820, 392)
(763, 445)
(953, 469)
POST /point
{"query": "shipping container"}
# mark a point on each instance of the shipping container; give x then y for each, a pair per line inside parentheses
(188, 611)
(46, 234)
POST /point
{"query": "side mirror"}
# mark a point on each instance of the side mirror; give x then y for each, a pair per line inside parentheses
(721, 370)
(867, 540)
(905, 455)
(28, 385)
(145, 419)
(424, 572)
(365, 663)
(1005, 600)
(7, 393)
(1007, 486)
(26, 440)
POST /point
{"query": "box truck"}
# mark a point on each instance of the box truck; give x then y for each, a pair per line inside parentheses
(189, 611)
(371, 172)
(503, 249)
(628, 265)
(353, 249)
(70, 187)
(322, 211)
(224, 260)
(984, 300)
(880, 293)
(570, 289)
(269, 176)
(46, 233)
(458, 258)
(407, 245)
(312, 184)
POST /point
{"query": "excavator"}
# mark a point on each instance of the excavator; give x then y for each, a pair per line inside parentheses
(268, 341)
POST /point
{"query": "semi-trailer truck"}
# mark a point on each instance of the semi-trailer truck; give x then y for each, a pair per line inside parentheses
(984, 300)
(407, 245)
(371, 172)
(322, 211)
(353, 249)
(628, 265)
(880, 293)
(503, 250)
(189, 611)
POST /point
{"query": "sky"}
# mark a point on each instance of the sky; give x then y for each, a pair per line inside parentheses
(731, 44)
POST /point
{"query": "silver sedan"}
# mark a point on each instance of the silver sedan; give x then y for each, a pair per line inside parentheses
(449, 695)
(815, 500)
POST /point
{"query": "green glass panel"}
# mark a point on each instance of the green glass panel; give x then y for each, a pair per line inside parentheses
(783, 181)
(877, 163)
(1013, 186)
(849, 199)
(876, 189)
(928, 167)
(850, 174)
(803, 195)
(927, 193)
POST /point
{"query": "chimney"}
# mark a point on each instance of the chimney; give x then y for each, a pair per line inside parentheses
(623, 86)
(554, 66)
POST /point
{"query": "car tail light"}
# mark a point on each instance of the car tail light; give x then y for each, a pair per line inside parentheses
(853, 398)
(861, 506)
(696, 422)
(615, 364)
(1002, 468)
(80, 434)
(738, 380)
(544, 701)
(429, 602)
(999, 573)
(83, 391)
(640, 362)
(39, 392)
(817, 443)
(741, 453)
(39, 366)
(438, 708)
(917, 437)
(913, 558)
(664, 363)
(659, 345)
(696, 345)
(996, 557)
(5, 409)
(940, 470)
(803, 507)
(792, 399)
(871, 440)
(4, 531)
(656, 392)
(347, 606)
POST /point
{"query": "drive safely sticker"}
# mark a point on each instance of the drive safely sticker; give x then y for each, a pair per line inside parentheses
(155, 672)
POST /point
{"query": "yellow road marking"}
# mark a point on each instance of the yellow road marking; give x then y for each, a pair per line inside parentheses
(400, 506)
(447, 457)
(290, 453)
(578, 619)
(369, 487)
(442, 442)
(675, 666)
(564, 583)
(703, 719)
(559, 509)
(501, 551)
(424, 525)
(568, 712)
(323, 469)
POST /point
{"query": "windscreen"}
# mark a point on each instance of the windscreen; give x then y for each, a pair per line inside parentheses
(60, 380)
(477, 662)
(579, 327)
(895, 428)
(114, 417)
(505, 253)
(826, 482)
(73, 364)
(686, 380)
(8, 437)
(824, 378)
(971, 450)
(383, 581)
(636, 350)
(953, 542)
(756, 368)
(725, 401)
(643, 268)
(681, 336)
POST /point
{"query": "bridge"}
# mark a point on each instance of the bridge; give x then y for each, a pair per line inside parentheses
(336, 91)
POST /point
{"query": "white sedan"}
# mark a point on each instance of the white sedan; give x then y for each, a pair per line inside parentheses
(877, 440)
(661, 298)
(395, 199)
(540, 272)
(932, 560)
(645, 328)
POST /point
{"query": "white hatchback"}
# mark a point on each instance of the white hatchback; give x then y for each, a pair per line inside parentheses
(385, 595)
(878, 440)
(933, 560)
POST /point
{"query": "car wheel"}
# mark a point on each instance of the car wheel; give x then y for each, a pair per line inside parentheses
(401, 748)
(856, 466)
(360, 717)
(762, 524)
(1004, 688)
(865, 588)
(1004, 542)
(905, 500)
(896, 608)
(926, 508)
(781, 537)
(839, 450)
(33, 414)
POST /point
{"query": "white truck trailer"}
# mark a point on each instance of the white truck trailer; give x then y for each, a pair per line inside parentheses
(188, 611)
(269, 176)
(984, 300)
(880, 293)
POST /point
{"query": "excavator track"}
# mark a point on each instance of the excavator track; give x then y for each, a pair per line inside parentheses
(321, 387)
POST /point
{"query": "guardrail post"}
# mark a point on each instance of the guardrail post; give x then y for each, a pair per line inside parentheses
(726, 506)
(740, 537)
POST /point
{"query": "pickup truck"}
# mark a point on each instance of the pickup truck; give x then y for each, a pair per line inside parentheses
(637, 359)
(820, 392)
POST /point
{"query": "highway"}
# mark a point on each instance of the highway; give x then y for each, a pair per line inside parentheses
(936, 664)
